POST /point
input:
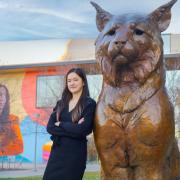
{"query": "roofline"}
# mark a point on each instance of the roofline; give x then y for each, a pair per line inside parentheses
(176, 55)
(169, 58)
(49, 64)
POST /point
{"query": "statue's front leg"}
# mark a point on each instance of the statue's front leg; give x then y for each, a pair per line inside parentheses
(110, 143)
(118, 174)
(152, 172)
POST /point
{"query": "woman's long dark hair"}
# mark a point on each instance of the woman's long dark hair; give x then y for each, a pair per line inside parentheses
(67, 96)
(4, 116)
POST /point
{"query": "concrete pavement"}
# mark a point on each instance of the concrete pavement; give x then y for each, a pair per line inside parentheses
(28, 170)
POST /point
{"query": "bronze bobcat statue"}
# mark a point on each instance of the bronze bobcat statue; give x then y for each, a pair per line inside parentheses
(134, 128)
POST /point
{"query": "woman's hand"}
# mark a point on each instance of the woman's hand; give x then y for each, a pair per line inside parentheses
(57, 123)
(81, 121)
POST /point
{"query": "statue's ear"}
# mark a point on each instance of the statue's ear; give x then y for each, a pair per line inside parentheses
(102, 16)
(162, 15)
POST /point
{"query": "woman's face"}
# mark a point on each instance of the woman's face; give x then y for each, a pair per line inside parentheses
(74, 83)
(2, 98)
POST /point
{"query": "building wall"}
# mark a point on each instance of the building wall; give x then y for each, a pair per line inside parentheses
(175, 43)
(31, 119)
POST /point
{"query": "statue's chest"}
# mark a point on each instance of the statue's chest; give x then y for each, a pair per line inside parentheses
(116, 98)
(124, 121)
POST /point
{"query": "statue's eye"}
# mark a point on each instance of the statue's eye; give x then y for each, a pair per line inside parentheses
(111, 32)
(138, 32)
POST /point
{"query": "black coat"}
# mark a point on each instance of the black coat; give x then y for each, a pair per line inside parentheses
(68, 155)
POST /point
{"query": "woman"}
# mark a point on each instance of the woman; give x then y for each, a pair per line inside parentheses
(11, 142)
(69, 124)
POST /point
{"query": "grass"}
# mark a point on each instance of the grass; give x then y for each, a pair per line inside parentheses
(87, 176)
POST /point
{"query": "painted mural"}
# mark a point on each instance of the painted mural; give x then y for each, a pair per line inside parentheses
(20, 120)
(22, 106)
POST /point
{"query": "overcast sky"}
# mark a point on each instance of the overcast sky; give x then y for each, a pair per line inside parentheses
(54, 19)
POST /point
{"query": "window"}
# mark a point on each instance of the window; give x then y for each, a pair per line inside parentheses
(95, 85)
(50, 88)
(173, 87)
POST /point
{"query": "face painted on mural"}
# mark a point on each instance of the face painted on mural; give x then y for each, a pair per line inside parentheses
(11, 142)
(2, 98)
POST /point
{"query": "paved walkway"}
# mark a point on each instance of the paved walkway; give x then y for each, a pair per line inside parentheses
(28, 170)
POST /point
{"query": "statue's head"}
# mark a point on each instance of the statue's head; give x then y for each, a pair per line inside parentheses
(129, 46)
